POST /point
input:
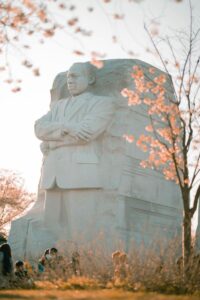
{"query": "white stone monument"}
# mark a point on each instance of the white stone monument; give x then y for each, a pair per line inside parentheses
(91, 182)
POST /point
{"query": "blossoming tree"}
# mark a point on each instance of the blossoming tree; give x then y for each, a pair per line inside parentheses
(14, 199)
(172, 138)
(25, 23)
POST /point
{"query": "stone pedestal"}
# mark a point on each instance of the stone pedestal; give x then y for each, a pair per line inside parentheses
(133, 214)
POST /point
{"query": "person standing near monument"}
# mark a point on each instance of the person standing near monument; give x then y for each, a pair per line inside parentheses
(6, 266)
(72, 132)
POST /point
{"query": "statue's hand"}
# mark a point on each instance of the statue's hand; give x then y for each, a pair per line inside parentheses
(84, 135)
(76, 132)
(44, 147)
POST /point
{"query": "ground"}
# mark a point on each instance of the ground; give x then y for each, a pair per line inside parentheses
(87, 295)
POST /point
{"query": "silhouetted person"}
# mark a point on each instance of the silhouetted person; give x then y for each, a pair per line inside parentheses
(6, 266)
(43, 261)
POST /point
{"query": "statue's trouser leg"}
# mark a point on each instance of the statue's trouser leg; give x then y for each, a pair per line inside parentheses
(56, 214)
(74, 214)
(52, 207)
(82, 212)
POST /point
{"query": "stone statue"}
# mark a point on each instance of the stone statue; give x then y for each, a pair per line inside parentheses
(91, 176)
(72, 132)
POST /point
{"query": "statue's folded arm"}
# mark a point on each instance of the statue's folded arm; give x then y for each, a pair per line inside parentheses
(92, 125)
(96, 121)
(48, 130)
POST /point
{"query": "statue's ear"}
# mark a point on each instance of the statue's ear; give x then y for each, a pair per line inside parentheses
(92, 79)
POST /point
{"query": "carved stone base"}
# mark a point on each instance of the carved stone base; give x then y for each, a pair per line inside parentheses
(115, 222)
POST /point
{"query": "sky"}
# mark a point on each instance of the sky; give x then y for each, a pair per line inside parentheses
(18, 111)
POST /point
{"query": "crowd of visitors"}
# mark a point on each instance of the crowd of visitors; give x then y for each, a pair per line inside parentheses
(21, 273)
(52, 265)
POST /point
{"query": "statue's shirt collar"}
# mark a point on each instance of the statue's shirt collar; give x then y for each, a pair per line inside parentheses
(81, 97)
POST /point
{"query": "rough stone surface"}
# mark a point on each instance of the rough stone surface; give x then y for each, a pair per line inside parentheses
(96, 190)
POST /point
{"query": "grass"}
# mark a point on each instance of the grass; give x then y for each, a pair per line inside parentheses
(88, 295)
(144, 273)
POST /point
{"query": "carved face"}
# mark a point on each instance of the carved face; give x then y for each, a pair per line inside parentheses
(77, 79)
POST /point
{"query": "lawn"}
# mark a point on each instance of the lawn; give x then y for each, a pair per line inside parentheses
(87, 295)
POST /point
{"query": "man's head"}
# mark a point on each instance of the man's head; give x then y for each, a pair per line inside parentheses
(79, 77)
(53, 251)
(19, 265)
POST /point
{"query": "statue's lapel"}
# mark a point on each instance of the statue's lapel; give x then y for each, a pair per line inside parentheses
(76, 104)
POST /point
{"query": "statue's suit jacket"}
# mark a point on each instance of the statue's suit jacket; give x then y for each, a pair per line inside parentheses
(71, 162)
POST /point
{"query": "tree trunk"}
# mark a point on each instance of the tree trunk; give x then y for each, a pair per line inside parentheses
(186, 240)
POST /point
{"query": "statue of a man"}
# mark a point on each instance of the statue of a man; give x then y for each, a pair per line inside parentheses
(72, 134)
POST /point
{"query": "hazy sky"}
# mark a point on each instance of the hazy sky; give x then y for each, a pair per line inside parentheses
(19, 147)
